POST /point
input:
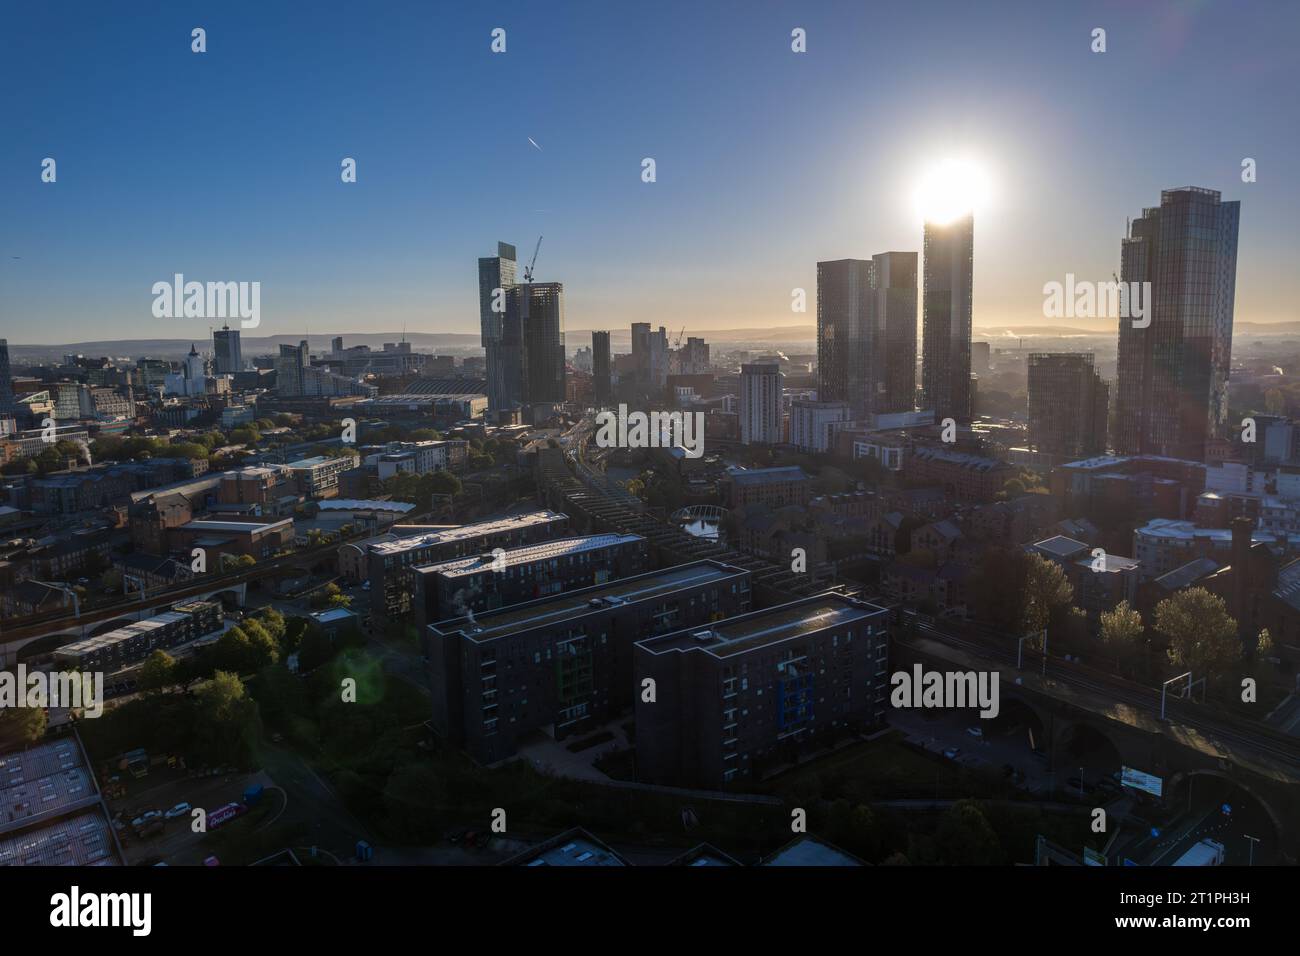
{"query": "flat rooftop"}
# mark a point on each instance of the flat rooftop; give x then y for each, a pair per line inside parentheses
(421, 398)
(244, 527)
(760, 476)
(1109, 564)
(962, 459)
(1176, 530)
(1099, 461)
(24, 766)
(317, 461)
(467, 531)
(85, 839)
(1060, 546)
(747, 632)
(459, 567)
(134, 629)
(549, 611)
(52, 793)
(50, 810)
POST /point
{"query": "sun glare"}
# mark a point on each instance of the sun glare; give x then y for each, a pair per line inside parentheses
(950, 190)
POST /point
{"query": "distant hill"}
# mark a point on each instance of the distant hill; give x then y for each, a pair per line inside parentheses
(620, 340)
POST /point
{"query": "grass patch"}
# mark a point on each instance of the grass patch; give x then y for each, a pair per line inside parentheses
(586, 743)
(887, 768)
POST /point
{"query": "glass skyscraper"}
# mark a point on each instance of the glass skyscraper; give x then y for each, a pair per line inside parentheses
(225, 346)
(843, 315)
(946, 321)
(1068, 404)
(496, 272)
(1172, 375)
(532, 344)
(602, 389)
(866, 333)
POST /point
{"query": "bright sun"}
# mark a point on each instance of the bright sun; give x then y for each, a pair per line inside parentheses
(950, 190)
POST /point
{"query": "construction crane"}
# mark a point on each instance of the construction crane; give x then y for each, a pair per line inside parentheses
(677, 342)
(528, 270)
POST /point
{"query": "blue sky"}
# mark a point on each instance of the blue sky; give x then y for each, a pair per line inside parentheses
(225, 165)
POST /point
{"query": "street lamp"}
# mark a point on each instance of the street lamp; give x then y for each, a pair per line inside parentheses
(1253, 841)
(1164, 689)
(68, 592)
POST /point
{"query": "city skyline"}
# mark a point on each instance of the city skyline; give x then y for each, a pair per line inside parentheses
(873, 440)
(741, 210)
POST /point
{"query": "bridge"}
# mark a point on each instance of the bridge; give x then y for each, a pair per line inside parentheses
(63, 627)
(94, 623)
(1070, 703)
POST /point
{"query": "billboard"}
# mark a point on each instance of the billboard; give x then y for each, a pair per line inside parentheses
(1137, 780)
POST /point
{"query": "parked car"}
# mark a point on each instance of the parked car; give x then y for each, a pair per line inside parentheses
(150, 829)
(180, 810)
(951, 753)
(975, 731)
(146, 817)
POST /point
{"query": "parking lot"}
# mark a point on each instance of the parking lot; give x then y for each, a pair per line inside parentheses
(162, 789)
(1001, 749)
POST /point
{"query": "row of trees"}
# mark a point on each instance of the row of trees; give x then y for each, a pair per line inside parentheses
(1202, 636)
(53, 458)
(421, 489)
(254, 643)
(1026, 594)
(131, 448)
